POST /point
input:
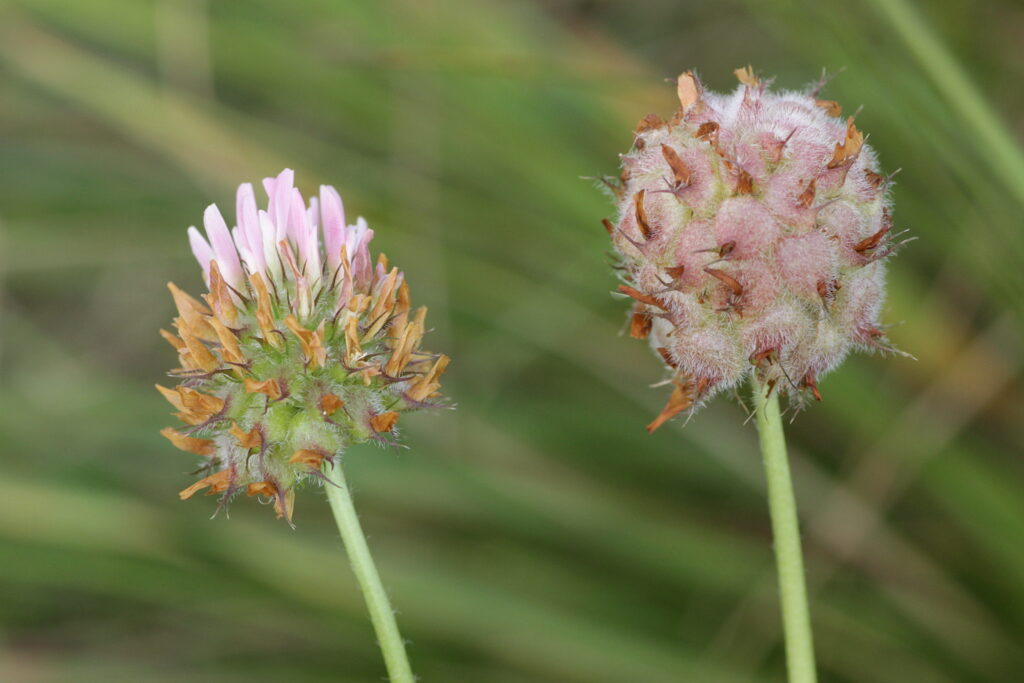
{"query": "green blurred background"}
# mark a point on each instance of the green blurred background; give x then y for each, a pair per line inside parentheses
(536, 533)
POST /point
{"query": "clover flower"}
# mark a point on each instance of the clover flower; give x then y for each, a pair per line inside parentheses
(752, 232)
(303, 346)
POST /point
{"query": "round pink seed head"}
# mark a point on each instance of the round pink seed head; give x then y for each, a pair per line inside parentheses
(752, 230)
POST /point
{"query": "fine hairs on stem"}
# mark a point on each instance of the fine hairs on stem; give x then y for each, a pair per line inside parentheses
(789, 563)
(381, 614)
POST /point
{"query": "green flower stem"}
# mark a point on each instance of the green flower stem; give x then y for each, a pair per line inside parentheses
(796, 620)
(383, 617)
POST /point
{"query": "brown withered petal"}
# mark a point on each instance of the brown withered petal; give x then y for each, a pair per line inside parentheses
(402, 352)
(270, 387)
(386, 296)
(312, 342)
(384, 422)
(264, 313)
(173, 340)
(193, 312)
(172, 396)
(305, 456)
(219, 298)
(217, 482)
(261, 488)
(191, 444)
(428, 383)
(229, 349)
(199, 355)
(248, 440)
(330, 404)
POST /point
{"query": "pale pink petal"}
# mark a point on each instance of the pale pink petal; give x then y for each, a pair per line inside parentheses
(297, 222)
(314, 266)
(332, 213)
(313, 213)
(242, 244)
(223, 247)
(202, 251)
(279, 190)
(249, 228)
(359, 237)
(268, 237)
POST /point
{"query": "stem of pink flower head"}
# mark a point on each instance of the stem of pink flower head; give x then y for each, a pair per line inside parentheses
(789, 562)
(383, 617)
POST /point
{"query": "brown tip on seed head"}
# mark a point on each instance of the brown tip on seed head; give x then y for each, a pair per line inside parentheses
(708, 131)
(649, 122)
(641, 214)
(869, 243)
(608, 225)
(806, 198)
(849, 148)
(675, 272)
(678, 401)
(745, 75)
(831, 107)
(640, 325)
(875, 180)
(727, 280)
(641, 297)
(667, 357)
(688, 89)
(744, 183)
(810, 382)
(680, 171)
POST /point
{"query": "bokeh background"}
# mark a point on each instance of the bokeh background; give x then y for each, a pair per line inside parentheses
(536, 533)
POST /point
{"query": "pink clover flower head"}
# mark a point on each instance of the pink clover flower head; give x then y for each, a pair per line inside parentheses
(300, 348)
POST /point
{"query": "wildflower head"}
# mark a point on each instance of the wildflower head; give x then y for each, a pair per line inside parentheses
(302, 346)
(752, 231)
